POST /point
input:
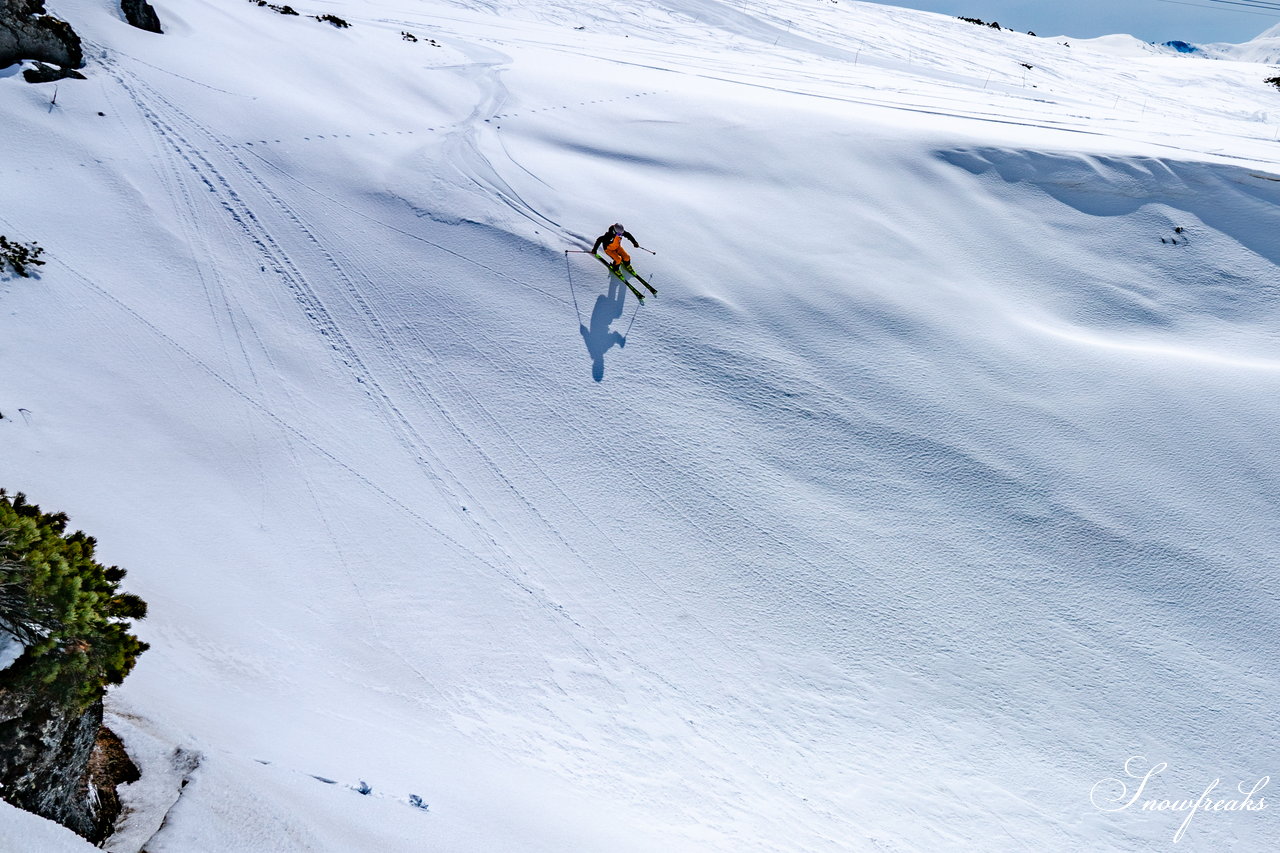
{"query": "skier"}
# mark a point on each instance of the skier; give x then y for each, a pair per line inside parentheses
(612, 242)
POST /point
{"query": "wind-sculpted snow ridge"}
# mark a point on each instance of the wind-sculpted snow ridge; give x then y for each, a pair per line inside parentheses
(935, 487)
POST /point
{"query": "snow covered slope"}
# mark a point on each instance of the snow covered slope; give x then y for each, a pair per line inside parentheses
(20, 830)
(938, 481)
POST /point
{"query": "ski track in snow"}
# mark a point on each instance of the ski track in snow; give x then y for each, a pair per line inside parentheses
(291, 273)
(217, 182)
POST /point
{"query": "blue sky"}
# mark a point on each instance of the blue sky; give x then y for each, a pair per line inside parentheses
(1200, 21)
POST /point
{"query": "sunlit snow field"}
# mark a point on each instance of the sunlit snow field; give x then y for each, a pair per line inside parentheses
(937, 482)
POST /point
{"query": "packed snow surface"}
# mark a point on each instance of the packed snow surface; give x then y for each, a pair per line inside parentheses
(938, 482)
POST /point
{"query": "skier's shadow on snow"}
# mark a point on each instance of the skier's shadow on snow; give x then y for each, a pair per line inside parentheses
(600, 338)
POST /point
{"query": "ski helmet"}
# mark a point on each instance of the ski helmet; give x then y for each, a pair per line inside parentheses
(617, 228)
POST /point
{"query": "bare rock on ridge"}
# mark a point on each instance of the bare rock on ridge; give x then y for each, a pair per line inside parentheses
(26, 32)
(141, 14)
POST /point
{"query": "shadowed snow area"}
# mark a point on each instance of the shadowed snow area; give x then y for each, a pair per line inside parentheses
(938, 480)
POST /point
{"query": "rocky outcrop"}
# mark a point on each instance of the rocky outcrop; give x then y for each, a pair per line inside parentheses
(141, 14)
(42, 73)
(27, 33)
(62, 765)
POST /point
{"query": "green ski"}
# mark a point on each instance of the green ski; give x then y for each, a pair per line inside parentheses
(617, 273)
(637, 277)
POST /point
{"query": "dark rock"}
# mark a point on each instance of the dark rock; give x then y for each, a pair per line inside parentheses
(61, 765)
(43, 73)
(332, 19)
(141, 14)
(283, 10)
(109, 767)
(27, 33)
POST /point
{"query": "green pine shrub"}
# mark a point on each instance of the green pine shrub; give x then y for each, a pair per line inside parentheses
(19, 256)
(65, 607)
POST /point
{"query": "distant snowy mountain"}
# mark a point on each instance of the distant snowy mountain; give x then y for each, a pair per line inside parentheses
(1263, 49)
(936, 485)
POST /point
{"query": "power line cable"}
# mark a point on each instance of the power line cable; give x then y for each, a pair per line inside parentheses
(1218, 8)
(1255, 4)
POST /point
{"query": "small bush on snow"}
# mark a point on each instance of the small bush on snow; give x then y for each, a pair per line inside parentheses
(19, 256)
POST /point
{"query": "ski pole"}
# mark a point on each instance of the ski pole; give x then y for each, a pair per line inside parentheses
(643, 249)
(577, 251)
